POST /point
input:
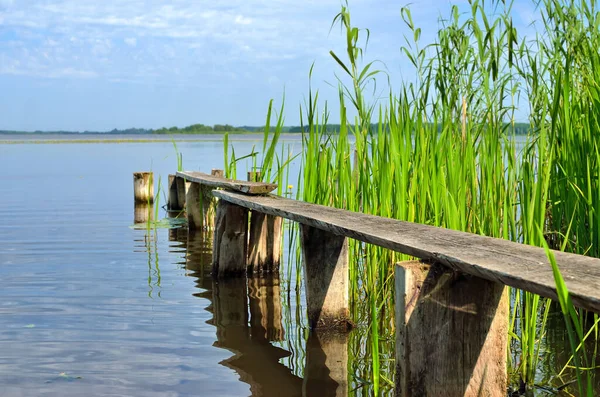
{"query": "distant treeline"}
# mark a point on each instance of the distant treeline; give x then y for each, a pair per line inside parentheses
(520, 129)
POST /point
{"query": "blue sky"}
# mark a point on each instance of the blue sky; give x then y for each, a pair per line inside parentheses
(104, 64)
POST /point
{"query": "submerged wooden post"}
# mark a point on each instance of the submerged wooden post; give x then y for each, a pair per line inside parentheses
(142, 212)
(264, 247)
(325, 257)
(173, 203)
(230, 241)
(450, 333)
(326, 369)
(143, 187)
(265, 309)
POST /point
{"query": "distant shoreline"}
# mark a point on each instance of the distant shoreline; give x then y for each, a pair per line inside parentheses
(58, 138)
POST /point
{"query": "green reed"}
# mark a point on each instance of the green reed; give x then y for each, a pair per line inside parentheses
(442, 151)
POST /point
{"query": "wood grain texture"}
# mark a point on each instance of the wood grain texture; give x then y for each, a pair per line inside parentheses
(231, 184)
(264, 247)
(513, 264)
(325, 258)
(181, 192)
(464, 351)
(230, 240)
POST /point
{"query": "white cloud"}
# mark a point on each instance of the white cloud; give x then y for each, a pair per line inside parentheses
(241, 20)
(131, 41)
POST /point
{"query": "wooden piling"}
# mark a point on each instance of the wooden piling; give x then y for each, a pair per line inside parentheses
(230, 245)
(143, 187)
(264, 246)
(181, 192)
(142, 212)
(173, 203)
(450, 333)
(194, 203)
(325, 257)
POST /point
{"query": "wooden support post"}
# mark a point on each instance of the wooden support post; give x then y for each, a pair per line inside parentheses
(142, 212)
(194, 203)
(230, 241)
(325, 257)
(173, 203)
(143, 187)
(181, 192)
(326, 369)
(450, 333)
(217, 172)
(265, 309)
(264, 247)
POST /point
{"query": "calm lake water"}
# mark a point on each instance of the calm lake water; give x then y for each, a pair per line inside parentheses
(90, 305)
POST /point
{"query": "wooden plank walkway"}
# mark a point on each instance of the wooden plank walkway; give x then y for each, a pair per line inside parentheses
(513, 264)
(231, 184)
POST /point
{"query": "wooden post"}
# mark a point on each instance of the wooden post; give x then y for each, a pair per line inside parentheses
(326, 369)
(173, 203)
(230, 241)
(264, 247)
(450, 333)
(181, 192)
(142, 212)
(194, 203)
(325, 257)
(143, 187)
(217, 172)
(265, 309)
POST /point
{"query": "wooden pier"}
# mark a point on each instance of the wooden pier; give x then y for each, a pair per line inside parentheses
(451, 306)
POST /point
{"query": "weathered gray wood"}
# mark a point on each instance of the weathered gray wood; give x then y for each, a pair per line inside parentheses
(325, 258)
(513, 264)
(231, 184)
(181, 192)
(143, 187)
(194, 206)
(173, 203)
(230, 241)
(464, 349)
(264, 296)
(217, 173)
(326, 369)
(264, 246)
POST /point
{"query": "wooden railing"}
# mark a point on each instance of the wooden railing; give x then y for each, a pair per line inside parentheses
(451, 307)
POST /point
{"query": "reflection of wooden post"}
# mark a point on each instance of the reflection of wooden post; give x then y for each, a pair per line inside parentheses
(265, 309)
(264, 247)
(325, 258)
(326, 370)
(142, 212)
(230, 308)
(173, 203)
(231, 240)
(143, 187)
(450, 333)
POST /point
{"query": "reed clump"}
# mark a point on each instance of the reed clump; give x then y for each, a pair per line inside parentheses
(442, 150)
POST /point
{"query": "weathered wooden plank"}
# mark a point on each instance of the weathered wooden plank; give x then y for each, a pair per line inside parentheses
(513, 264)
(464, 351)
(231, 184)
(325, 258)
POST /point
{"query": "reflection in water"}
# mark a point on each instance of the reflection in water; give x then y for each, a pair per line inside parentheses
(149, 245)
(248, 316)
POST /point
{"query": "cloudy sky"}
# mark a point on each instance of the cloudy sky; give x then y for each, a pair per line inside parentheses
(104, 64)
